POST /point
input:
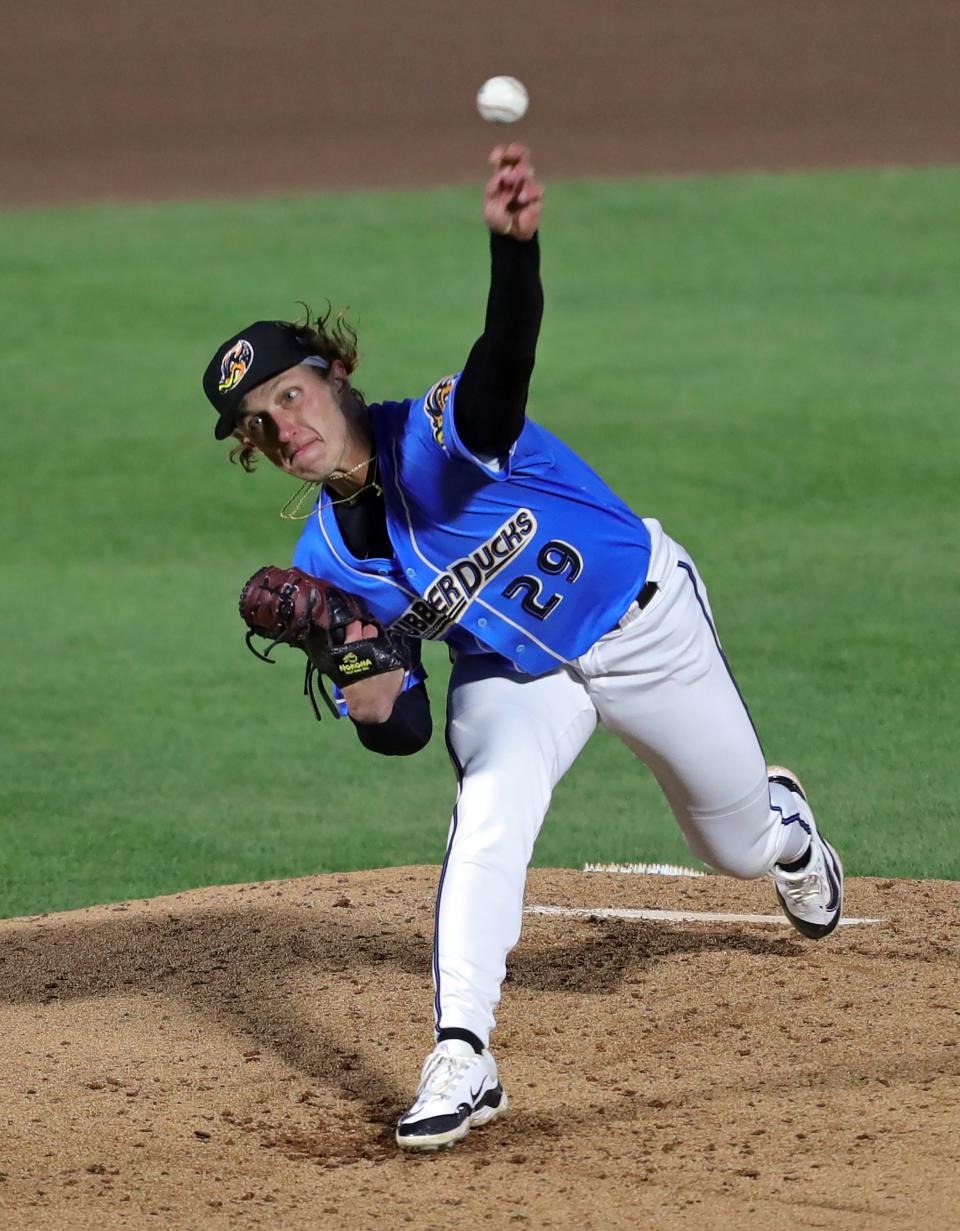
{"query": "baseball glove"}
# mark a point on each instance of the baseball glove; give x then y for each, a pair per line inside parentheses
(289, 607)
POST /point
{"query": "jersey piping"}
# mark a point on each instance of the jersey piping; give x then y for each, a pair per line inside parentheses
(353, 569)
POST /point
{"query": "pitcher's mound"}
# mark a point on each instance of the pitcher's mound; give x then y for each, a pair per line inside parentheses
(236, 1057)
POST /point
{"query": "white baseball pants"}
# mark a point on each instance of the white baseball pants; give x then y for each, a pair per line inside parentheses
(661, 683)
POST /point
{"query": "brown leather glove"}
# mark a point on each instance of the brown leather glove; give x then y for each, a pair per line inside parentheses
(289, 607)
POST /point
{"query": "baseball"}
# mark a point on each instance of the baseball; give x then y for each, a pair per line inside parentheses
(503, 100)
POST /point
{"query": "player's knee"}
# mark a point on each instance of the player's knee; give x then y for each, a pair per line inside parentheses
(746, 865)
(730, 855)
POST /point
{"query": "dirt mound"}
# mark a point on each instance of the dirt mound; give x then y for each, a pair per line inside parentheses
(235, 1057)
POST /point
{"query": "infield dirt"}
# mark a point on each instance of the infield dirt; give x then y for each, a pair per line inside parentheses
(236, 1057)
(219, 97)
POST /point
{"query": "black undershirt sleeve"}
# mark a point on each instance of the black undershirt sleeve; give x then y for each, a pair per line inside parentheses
(490, 406)
(491, 397)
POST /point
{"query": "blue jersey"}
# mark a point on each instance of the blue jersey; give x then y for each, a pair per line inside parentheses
(530, 556)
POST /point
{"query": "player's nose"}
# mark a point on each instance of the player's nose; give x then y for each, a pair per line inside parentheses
(285, 427)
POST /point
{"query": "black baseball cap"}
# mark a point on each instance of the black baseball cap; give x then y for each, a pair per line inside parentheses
(246, 360)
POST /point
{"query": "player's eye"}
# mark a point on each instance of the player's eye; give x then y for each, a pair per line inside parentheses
(256, 426)
(290, 395)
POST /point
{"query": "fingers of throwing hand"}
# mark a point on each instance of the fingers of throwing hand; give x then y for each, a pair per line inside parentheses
(530, 194)
(513, 180)
(513, 190)
(512, 195)
(508, 155)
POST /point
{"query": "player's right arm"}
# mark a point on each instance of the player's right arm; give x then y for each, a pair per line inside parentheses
(491, 398)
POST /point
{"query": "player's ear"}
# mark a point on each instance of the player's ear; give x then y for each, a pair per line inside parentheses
(338, 373)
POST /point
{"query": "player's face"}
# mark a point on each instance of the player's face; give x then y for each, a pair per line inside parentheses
(295, 421)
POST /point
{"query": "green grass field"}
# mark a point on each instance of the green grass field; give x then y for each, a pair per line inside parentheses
(766, 363)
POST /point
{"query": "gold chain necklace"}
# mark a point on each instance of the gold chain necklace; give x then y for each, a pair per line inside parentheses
(291, 510)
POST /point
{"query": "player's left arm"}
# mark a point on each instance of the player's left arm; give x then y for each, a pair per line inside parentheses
(491, 397)
(389, 719)
(371, 700)
(378, 675)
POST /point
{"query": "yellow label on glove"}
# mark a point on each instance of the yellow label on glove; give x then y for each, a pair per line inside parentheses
(351, 665)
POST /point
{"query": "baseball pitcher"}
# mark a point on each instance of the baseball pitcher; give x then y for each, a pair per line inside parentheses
(453, 516)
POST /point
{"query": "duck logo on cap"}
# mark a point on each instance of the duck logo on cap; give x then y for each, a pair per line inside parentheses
(234, 365)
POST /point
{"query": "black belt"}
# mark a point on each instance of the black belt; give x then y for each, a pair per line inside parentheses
(647, 591)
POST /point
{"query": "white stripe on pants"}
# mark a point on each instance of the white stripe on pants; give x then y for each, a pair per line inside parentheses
(661, 684)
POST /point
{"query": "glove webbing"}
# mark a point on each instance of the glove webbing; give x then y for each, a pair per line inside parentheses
(313, 679)
(311, 682)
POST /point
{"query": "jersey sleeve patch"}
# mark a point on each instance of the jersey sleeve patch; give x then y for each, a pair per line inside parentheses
(435, 403)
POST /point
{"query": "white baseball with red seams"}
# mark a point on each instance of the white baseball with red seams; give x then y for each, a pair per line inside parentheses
(503, 100)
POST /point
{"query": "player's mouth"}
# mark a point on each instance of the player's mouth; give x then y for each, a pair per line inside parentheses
(299, 455)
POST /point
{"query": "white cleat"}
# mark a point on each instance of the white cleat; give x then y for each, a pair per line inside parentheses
(459, 1090)
(812, 896)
